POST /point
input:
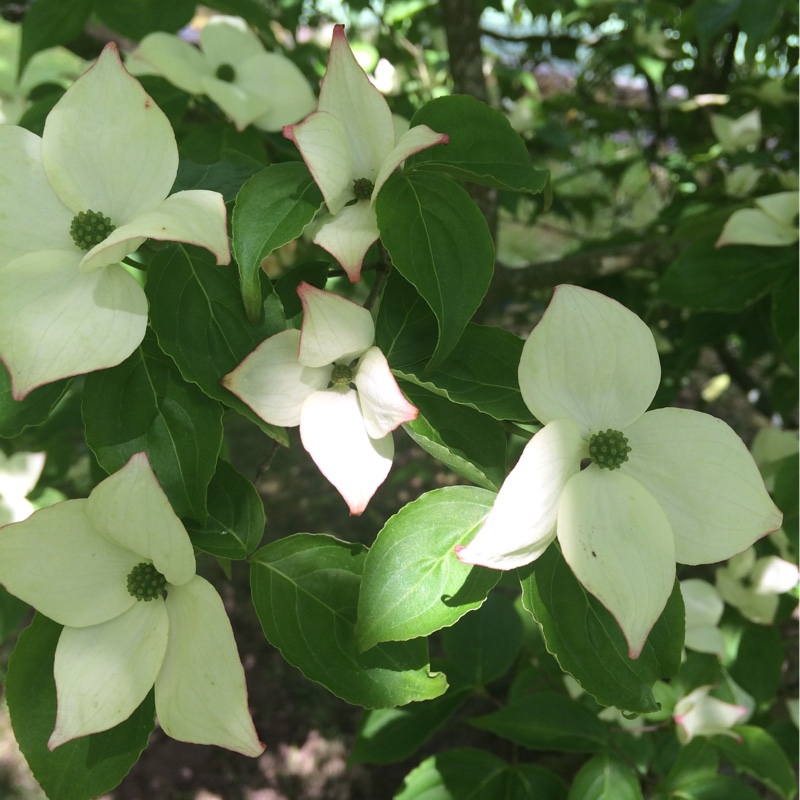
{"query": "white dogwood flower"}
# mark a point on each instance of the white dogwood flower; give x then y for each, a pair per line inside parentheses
(332, 381)
(231, 66)
(350, 148)
(699, 714)
(117, 570)
(753, 585)
(628, 492)
(704, 608)
(19, 473)
(773, 223)
(73, 204)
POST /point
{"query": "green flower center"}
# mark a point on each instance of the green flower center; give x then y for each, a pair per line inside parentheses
(89, 228)
(341, 376)
(608, 449)
(225, 72)
(362, 188)
(146, 583)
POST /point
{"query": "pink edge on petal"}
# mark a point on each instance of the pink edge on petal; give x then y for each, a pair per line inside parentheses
(288, 133)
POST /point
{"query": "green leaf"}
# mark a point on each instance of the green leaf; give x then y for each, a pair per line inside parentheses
(784, 316)
(234, 526)
(226, 176)
(440, 242)
(48, 23)
(197, 313)
(84, 768)
(387, 735)
(759, 755)
(483, 146)
(144, 405)
(17, 415)
(405, 328)
(484, 644)
(471, 774)
(12, 612)
(697, 762)
(413, 583)
(468, 442)
(758, 667)
(588, 643)
(305, 589)
(272, 209)
(547, 721)
(730, 278)
(136, 18)
(481, 372)
(757, 19)
(604, 777)
(711, 17)
(786, 495)
(721, 787)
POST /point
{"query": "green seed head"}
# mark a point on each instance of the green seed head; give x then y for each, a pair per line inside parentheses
(146, 583)
(608, 449)
(225, 72)
(89, 228)
(362, 188)
(341, 376)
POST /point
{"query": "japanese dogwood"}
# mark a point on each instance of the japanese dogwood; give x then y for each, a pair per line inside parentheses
(117, 570)
(350, 147)
(628, 492)
(73, 204)
(250, 85)
(332, 381)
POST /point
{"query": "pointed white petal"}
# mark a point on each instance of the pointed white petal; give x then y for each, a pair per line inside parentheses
(32, 218)
(273, 382)
(348, 236)
(773, 575)
(702, 602)
(201, 695)
(697, 714)
(589, 359)
(57, 562)
(56, 321)
(753, 226)
(130, 508)
(704, 608)
(107, 146)
(420, 137)
(104, 672)
(19, 473)
(618, 542)
(165, 54)
(228, 40)
(737, 134)
(782, 206)
(239, 104)
(196, 216)
(290, 96)
(346, 92)
(334, 329)
(702, 475)
(522, 522)
(758, 608)
(382, 403)
(332, 430)
(322, 141)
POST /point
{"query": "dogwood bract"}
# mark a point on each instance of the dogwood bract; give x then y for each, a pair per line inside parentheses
(330, 380)
(117, 570)
(73, 204)
(699, 714)
(231, 67)
(627, 491)
(350, 148)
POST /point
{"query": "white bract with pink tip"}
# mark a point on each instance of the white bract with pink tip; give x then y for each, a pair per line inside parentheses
(75, 562)
(332, 381)
(628, 492)
(350, 148)
(74, 203)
